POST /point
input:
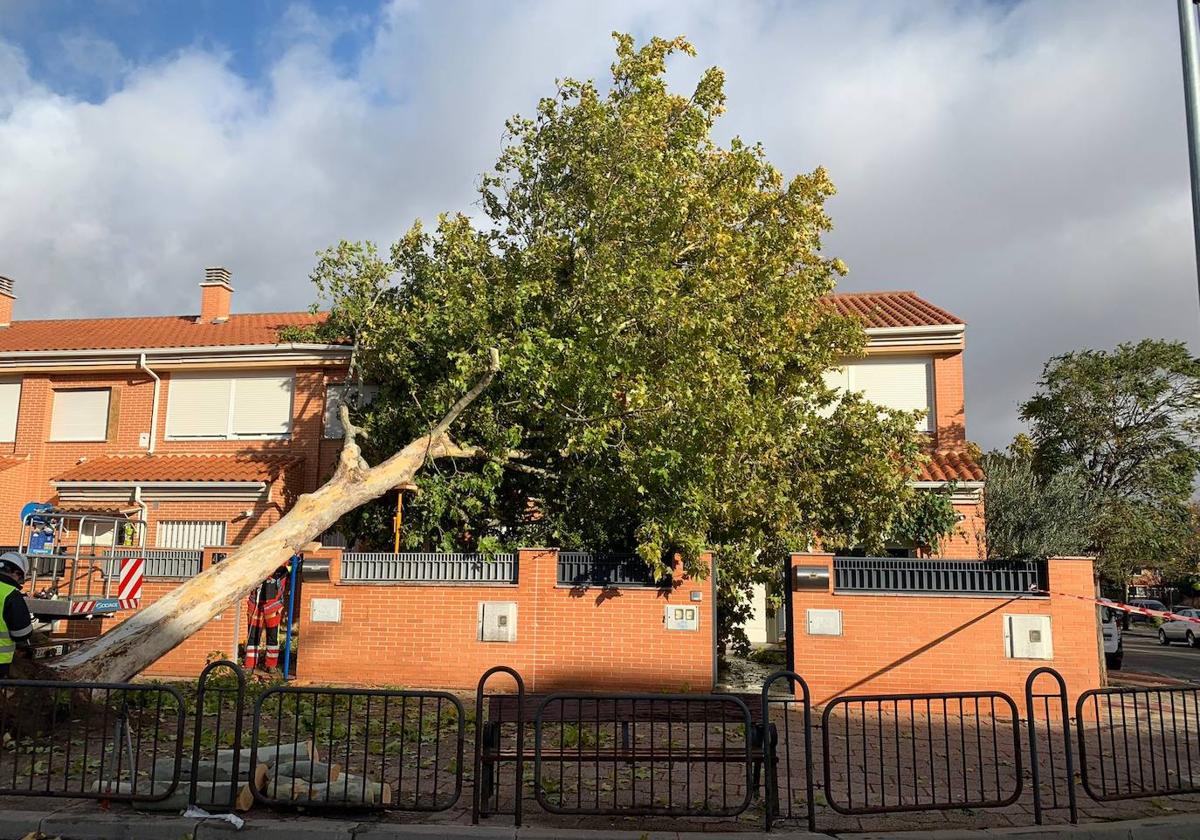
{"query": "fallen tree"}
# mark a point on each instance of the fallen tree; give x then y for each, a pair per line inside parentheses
(134, 644)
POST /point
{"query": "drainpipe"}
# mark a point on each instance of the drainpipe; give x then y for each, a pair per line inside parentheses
(154, 409)
(137, 500)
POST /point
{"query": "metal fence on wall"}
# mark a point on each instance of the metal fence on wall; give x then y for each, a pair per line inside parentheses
(413, 567)
(583, 568)
(179, 563)
(967, 577)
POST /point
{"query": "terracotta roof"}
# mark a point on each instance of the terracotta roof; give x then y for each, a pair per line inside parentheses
(178, 468)
(137, 333)
(950, 466)
(892, 309)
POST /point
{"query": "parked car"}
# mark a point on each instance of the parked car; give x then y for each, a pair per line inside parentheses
(1147, 603)
(1114, 646)
(1181, 631)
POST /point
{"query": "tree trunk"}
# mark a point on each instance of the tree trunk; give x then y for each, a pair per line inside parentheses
(136, 643)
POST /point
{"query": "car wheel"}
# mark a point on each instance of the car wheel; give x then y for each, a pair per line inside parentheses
(1115, 660)
(1162, 637)
(1191, 639)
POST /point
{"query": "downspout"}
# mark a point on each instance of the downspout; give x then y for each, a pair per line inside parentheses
(154, 409)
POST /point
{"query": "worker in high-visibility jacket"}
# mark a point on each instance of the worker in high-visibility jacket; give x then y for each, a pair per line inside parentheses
(16, 624)
(264, 613)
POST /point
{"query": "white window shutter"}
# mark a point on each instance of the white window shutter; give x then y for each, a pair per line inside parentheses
(197, 406)
(189, 533)
(262, 405)
(904, 384)
(10, 402)
(80, 415)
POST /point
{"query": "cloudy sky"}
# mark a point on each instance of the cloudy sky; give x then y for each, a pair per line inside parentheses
(1022, 164)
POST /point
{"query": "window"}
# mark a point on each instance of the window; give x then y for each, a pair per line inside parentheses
(334, 395)
(10, 402)
(903, 384)
(80, 415)
(201, 406)
(189, 533)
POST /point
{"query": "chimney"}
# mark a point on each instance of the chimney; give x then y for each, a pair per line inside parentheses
(6, 301)
(216, 295)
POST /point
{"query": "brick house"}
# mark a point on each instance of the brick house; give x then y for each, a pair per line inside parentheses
(208, 427)
(205, 426)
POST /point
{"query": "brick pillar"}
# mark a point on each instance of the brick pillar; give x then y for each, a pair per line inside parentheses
(1077, 637)
(795, 610)
(537, 577)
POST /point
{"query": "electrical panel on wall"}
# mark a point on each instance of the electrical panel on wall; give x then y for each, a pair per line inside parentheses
(497, 621)
(1028, 637)
(326, 610)
(683, 617)
(824, 622)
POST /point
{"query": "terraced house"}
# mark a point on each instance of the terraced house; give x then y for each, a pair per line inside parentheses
(207, 426)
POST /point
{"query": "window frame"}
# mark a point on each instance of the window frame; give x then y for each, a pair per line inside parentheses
(20, 383)
(232, 380)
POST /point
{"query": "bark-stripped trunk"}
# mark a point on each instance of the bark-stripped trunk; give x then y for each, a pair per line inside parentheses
(134, 644)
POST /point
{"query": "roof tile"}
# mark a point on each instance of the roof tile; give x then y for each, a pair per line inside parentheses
(178, 468)
(891, 309)
(948, 465)
(157, 332)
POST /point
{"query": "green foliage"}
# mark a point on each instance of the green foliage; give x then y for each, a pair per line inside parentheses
(1030, 516)
(1129, 421)
(657, 302)
(928, 519)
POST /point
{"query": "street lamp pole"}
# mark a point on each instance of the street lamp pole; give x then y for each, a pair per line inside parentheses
(1189, 37)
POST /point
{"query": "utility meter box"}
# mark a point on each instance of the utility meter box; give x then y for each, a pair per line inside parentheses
(1028, 637)
(681, 617)
(326, 610)
(497, 621)
(824, 622)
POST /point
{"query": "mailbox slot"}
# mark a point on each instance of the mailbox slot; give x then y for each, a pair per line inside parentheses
(810, 578)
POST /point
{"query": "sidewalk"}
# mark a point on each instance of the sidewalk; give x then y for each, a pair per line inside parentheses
(71, 824)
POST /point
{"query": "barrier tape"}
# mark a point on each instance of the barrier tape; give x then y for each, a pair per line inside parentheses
(1117, 605)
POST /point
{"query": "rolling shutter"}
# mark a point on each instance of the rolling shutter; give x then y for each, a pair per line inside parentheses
(10, 402)
(197, 406)
(262, 405)
(80, 415)
(189, 533)
(904, 384)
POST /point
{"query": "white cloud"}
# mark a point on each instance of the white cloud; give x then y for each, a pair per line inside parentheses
(1022, 165)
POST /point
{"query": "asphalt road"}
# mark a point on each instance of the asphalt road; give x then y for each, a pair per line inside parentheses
(1144, 655)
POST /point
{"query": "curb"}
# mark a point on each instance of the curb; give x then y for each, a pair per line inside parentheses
(15, 825)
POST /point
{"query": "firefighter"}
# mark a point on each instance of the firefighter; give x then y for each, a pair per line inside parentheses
(264, 612)
(16, 624)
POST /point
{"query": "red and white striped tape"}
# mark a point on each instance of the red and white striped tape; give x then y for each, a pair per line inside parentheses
(87, 607)
(1117, 605)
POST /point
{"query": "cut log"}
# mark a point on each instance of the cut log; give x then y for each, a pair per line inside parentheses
(348, 789)
(148, 634)
(309, 770)
(270, 753)
(207, 771)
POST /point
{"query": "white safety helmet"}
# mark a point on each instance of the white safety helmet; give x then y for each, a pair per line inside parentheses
(17, 561)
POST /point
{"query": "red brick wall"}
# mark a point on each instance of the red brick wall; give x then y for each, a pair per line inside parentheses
(427, 636)
(949, 404)
(967, 542)
(908, 643)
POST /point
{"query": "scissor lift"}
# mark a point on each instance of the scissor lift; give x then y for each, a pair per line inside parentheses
(75, 570)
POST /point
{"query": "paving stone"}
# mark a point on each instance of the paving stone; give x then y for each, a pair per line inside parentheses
(16, 824)
(259, 828)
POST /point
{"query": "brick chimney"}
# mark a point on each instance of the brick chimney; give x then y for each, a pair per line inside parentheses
(6, 301)
(216, 296)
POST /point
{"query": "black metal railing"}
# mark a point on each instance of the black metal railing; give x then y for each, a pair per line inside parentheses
(1138, 742)
(582, 568)
(113, 741)
(786, 735)
(1051, 759)
(218, 770)
(918, 752)
(938, 577)
(643, 754)
(384, 749)
(499, 742)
